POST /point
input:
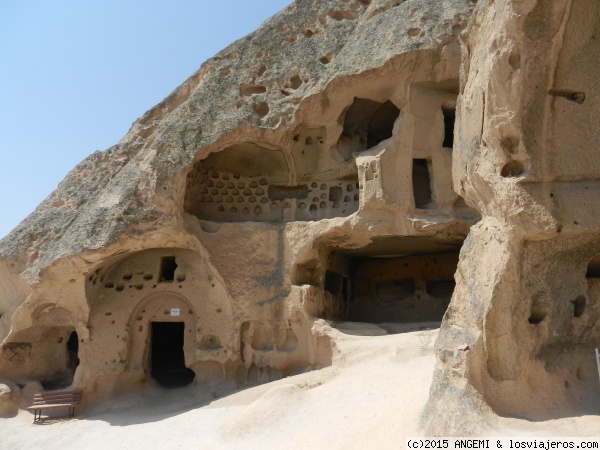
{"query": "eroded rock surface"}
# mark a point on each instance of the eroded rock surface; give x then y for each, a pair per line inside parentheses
(303, 173)
(8, 403)
(525, 157)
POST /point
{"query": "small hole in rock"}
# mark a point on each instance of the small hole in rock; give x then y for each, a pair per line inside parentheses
(514, 59)
(579, 306)
(261, 109)
(513, 169)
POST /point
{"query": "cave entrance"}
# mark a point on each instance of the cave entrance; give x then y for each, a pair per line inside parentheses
(167, 361)
(73, 351)
(404, 280)
(65, 360)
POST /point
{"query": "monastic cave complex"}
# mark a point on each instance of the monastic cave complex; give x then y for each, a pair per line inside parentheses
(313, 174)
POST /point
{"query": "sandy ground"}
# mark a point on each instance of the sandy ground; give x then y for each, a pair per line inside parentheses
(372, 397)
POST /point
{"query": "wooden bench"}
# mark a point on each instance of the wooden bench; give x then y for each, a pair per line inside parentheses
(54, 400)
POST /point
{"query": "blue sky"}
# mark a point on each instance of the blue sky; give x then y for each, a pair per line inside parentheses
(74, 75)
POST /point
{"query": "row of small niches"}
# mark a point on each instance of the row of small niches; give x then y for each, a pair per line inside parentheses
(276, 205)
(208, 183)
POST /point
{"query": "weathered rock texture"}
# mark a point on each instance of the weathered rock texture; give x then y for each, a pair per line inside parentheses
(310, 171)
(527, 297)
(303, 173)
(307, 172)
(8, 402)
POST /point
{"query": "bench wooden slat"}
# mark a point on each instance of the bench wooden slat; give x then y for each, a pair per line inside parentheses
(58, 394)
(57, 399)
(54, 400)
(68, 398)
(52, 406)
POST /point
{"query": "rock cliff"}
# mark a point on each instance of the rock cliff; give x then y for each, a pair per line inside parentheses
(312, 172)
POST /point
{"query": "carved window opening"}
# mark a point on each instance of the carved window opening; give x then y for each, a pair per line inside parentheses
(593, 268)
(421, 183)
(449, 119)
(167, 269)
(73, 351)
(366, 124)
(579, 305)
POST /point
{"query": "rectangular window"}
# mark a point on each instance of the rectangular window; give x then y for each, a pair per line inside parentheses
(167, 268)
(449, 117)
(421, 183)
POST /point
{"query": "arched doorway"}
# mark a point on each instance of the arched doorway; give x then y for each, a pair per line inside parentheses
(162, 339)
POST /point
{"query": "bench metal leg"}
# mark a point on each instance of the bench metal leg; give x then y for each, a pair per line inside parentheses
(37, 414)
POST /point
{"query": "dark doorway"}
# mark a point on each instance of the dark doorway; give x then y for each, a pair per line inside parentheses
(167, 361)
(63, 378)
(73, 351)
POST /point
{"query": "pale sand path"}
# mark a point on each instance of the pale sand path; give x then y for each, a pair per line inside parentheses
(371, 398)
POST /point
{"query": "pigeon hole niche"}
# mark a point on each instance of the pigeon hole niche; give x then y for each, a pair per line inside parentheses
(233, 185)
(392, 280)
(250, 183)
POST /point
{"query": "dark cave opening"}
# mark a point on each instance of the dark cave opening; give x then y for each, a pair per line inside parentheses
(167, 268)
(399, 280)
(63, 378)
(167, 360)
(367, 122)
(449, 119)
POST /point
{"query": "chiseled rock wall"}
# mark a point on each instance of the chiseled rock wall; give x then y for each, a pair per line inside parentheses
(249, 204)
(525, 156)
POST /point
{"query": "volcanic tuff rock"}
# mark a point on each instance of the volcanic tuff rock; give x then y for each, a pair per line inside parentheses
(288, 129)
(308, 174)
(526, 157)
(8, 405)
(257, 89)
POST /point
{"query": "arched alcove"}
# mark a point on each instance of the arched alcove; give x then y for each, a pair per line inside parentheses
(162, 338)
(133, 301)
(237, 185)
